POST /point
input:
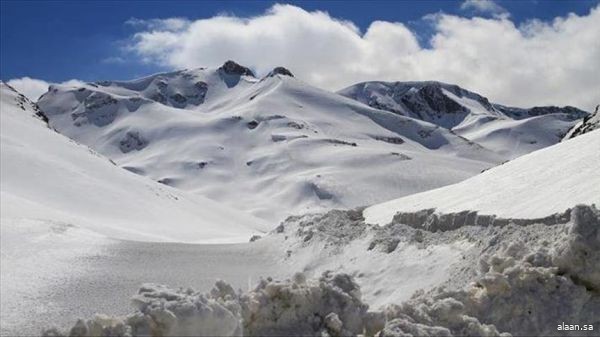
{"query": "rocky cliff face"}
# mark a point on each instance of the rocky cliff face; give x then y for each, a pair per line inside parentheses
(589, 123)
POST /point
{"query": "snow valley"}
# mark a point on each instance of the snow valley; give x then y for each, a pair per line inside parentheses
(387, 208)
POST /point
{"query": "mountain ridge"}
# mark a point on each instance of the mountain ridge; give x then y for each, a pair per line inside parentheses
(261, 142)
(226, 134)
(512, 131)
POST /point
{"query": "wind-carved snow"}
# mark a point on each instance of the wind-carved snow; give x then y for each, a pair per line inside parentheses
(275, 146)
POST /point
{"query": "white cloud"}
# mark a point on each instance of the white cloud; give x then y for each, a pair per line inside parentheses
(483, 6)
(113, 60)
(34, 88)
(170, 24)
(532, 64)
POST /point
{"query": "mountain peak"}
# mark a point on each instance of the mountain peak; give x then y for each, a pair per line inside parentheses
(232, 68)
(280, 71)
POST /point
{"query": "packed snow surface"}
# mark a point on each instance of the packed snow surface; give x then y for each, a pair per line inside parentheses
(48, 177)
(53, 272)
(532, 186)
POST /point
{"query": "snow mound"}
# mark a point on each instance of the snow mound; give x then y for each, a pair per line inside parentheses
(521, 290)
(330, 305)
(522, 287)
(536, 185)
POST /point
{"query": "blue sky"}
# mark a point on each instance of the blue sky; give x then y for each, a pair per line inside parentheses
(521, 53)
(60, 40)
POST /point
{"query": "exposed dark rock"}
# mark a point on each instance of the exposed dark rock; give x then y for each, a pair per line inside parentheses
(158, 97)
(232, 68)
(280, 71)
(392, 140)
(200, 95)
(340, 142)
(99, 109)
(518, 113)
(166, 181)
(295, 125)
(431, 97)
(179, 98)
(401, 156)
(589, 123)
(132, 141)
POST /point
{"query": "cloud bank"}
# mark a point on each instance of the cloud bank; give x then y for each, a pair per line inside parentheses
(536, 63)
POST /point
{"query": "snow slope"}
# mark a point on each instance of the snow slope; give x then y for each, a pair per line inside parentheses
(532, 186)
(509, 131)
(48, 177)
(273, 146)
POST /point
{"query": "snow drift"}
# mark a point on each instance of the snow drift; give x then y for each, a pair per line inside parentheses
(529, 279)
(330, 305)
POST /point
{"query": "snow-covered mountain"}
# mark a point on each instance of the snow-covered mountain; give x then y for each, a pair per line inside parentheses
(536, 185)
(273, 146)
(49, 178)
(507, 130)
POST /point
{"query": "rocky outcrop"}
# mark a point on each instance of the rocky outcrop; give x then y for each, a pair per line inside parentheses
(232, 68)
(518, 113)
(589, 123)
(132, 141)
(280, 71)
